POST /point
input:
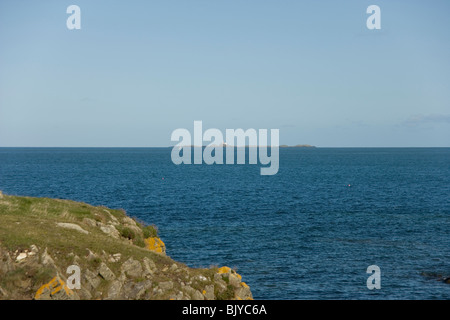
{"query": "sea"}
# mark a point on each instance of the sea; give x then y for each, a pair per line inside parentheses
(312, 231)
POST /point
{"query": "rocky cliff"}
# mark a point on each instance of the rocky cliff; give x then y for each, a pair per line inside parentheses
(61, 249)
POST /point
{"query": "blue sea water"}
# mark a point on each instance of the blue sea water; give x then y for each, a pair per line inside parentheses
(308, 232)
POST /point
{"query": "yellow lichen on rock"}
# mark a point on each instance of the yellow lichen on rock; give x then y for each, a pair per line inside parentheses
(49, 290)
(242, 291)
(228, 270)
(224, 270)
(155, 244)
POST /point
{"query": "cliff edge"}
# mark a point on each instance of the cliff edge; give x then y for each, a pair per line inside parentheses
(62, 249)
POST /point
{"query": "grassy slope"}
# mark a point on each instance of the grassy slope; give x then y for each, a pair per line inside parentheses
(25, 221)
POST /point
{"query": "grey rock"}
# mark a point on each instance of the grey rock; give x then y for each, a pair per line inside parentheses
(114, 290)
(109, 230)
(34, 249)
(234, 280)
(132, 268)
(3, 293)
(76, 260)
(166, 285)
(71, 226)
(197, 295)
(90, 255)
(136, 291)
(191, 291)
(178, 296)
(91, 279)
(62, 295)
(128, 221)
(244, 293)
(201, 278)
(84, 294)
(123, 277)
(106, 272)
(149, 266)
(6, 263)
(209, 292)
(115, 257)
(46, 259)
(113, 219)
(21, 256)
(157, 291)
(89, 222)
(221, 284)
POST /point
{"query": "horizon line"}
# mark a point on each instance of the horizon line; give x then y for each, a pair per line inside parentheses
(247, 146)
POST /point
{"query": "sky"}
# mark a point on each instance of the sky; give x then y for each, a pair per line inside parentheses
(138, 70)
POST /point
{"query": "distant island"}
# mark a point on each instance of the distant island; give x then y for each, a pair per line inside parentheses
(223, 145)
(297, 146)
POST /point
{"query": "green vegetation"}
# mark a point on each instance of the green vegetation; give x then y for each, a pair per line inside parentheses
(26, 221)
(66, 232)
(228, 294)
(127, 233)
(150, 231)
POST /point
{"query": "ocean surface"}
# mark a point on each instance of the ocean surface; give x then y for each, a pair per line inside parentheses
(308, 232)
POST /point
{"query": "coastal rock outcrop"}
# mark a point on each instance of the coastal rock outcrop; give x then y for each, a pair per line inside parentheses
(155, 244)
(96, 253)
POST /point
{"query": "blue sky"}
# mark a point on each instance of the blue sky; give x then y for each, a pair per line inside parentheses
(137, 70)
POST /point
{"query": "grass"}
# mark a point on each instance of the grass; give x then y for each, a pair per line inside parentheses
(127, 233)
(26, 221)
(228, 294)
(150, 231)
